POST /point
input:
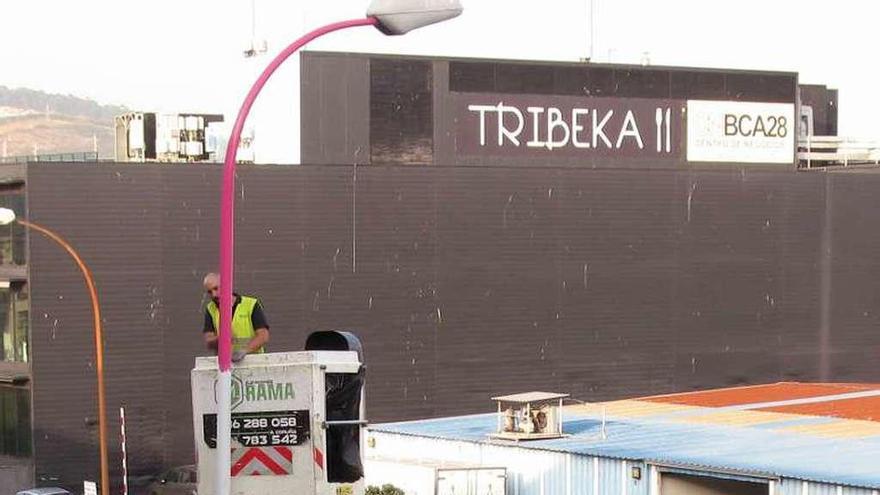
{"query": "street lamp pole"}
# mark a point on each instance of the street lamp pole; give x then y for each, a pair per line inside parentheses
(7, 216)
(392, 17)
(227, 207)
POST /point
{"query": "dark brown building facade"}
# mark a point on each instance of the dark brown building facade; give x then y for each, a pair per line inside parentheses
(463, 282)
(381, 110)
(823, 105)
(484, 227)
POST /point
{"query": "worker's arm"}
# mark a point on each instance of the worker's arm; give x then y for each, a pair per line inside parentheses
(209, 332)
(261, 329)
(211, 340)
(259, 340)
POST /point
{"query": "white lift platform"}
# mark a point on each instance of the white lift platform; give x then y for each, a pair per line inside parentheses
(296, 420)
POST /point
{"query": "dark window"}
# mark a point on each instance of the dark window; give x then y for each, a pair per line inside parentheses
(572, 81)
(641, 83)
(694, 85)
(546, 79)
(602, 82)
(524, 79)
(831, 116)
(14, 312)
(401, 112)
(761, 87)
(15, 421)
(472, 77)
(12, 236)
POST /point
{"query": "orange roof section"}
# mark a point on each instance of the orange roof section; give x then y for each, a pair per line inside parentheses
(811, 399)
(864, 408)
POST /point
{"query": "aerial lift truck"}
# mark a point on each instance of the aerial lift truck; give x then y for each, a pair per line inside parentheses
(297, 419)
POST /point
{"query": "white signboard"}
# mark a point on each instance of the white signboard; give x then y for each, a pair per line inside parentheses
(90, 488)
(740, 132)
(272, 435)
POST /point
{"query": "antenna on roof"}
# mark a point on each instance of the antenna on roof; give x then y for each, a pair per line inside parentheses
(593, 24)
(256, 47)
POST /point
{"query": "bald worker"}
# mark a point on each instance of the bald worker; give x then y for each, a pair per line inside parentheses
(250, 330)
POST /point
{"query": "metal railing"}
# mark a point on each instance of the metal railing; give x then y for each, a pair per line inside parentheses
(823, 151)
(80, 156)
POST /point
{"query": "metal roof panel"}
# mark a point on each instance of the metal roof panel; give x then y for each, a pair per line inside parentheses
(738, 439)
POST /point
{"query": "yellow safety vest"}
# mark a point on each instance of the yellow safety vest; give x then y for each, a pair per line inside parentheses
(242, 326)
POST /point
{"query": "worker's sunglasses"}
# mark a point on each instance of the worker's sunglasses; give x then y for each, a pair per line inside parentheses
(212, 289)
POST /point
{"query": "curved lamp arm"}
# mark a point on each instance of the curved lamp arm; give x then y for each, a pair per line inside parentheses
(227, 201)
(99, 346)
(391, 17)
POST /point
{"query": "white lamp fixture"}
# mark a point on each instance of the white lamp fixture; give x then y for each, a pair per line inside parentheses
(402, 16)
(7, 216)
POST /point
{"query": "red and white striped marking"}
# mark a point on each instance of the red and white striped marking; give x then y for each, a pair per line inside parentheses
(124, 458)
(258, 461)
(319, 458)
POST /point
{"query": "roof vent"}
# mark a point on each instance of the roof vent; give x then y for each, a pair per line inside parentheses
(529, 416)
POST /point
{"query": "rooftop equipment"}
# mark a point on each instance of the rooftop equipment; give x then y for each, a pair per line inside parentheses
(529, 416)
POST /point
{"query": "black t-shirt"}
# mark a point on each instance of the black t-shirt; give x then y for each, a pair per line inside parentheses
(258, 318)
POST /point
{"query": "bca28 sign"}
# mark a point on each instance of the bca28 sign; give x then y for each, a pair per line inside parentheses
(740, 132)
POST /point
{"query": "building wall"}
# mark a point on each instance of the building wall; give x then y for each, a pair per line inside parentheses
(540, 472)
(463, 282)
(16, 473)
(404, 110)
(800, 487)
(824, 103)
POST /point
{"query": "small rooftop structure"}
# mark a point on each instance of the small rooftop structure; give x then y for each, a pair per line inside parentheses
(530, 397)
(790, 438)
(529, 416)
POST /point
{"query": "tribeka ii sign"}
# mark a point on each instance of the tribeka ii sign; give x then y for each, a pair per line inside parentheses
(570, 126)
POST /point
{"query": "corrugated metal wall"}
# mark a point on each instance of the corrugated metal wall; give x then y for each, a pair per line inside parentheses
(123, 252)
(463, 282)
(799, 487)
(536, 472)
(530, 472)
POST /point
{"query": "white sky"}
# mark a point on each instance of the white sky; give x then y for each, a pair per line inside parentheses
(186, 55)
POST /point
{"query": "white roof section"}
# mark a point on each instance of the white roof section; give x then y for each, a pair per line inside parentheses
(530, 397)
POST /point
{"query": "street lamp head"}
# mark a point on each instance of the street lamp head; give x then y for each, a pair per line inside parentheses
(402, 16)
(7, 216)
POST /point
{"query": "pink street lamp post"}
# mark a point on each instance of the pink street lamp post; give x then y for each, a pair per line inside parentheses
(392, 17)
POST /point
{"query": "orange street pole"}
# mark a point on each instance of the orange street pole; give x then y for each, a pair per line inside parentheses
(99, 348)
